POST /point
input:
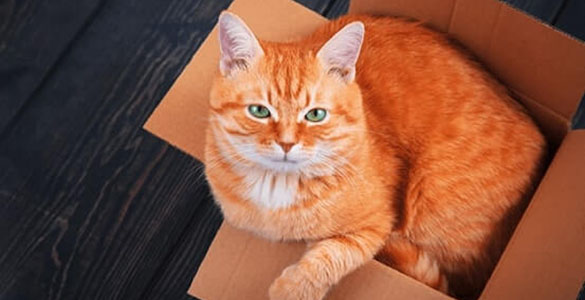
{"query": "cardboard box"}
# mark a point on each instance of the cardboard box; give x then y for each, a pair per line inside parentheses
(545, 69)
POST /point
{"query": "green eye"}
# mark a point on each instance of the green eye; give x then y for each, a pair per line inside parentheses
(316, 115)
(259, 111)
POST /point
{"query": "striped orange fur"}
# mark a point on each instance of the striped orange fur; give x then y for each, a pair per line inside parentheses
(423, 160)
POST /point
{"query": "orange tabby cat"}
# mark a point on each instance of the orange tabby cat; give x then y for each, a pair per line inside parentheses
(373, 136)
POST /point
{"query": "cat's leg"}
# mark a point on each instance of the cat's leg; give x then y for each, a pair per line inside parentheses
(325, 263)
(409, 259)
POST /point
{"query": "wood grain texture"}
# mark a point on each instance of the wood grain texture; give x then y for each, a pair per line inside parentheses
(578, 121)
(91, 204)
(571, 18)
(546, 10)
(174, 277)
(33, 36)
(336, 9)
(319, 6)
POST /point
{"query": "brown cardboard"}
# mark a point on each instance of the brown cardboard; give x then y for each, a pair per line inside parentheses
(235, 257)
(236, 254)
(545, 69)
(545, 259)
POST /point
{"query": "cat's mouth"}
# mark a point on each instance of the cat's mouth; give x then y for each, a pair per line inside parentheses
(284, 160)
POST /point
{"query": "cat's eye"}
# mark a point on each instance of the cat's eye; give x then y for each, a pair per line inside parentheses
(316, 115)
(259, 111)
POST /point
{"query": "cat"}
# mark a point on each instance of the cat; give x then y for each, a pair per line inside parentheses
(374, 137)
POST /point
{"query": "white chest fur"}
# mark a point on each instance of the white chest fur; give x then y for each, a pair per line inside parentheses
(272, 190)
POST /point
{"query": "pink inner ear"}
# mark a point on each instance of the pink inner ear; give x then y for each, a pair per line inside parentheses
(239, 48)
(342, 50)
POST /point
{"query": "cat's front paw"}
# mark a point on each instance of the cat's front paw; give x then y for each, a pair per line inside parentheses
(296, 284)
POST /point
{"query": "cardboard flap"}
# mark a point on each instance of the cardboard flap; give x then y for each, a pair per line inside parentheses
(537, 61)
(235, 256)
(181, 117)
(551, 230)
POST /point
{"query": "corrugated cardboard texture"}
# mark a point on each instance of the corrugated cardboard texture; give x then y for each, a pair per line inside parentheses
(241, 266)
(546, 257)
(181, 117)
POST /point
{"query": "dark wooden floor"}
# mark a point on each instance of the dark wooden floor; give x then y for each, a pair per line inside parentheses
(92, 206)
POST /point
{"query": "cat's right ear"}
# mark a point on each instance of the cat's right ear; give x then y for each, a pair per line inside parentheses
(238, 46)
(340, 54)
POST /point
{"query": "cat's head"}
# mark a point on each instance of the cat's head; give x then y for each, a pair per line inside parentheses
(287, 107)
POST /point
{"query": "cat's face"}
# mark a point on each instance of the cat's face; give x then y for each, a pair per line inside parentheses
(284, 108)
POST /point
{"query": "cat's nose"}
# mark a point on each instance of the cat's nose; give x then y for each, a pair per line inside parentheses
(286, 146)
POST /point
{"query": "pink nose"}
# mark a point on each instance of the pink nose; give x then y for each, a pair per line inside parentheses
(286, 146)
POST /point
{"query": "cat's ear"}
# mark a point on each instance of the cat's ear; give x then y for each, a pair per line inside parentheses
(339, 55)
(238, 46)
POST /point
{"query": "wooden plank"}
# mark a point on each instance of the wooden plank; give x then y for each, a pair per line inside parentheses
(546, 10)
(33, 35)
(337, 8)
(319, 6)
(69, 164)
(579, 118)
(91, 205)
(571, 18)
(174, 277)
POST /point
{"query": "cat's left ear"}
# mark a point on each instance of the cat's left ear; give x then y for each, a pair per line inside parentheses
(238, 45)
(339, 55)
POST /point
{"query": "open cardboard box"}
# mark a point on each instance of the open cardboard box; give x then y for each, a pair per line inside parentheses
(545, 69)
